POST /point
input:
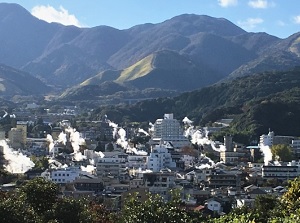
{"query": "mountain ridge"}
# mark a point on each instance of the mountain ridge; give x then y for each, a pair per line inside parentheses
(65, 56)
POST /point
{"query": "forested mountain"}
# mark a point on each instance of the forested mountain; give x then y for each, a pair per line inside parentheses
(257, 103)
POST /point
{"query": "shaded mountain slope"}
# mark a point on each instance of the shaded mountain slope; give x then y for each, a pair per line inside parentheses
(15, 82)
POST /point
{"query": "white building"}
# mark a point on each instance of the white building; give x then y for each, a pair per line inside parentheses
(266, 140)
(62, 175)
(168, 129)
(137, 161)
(160, 158)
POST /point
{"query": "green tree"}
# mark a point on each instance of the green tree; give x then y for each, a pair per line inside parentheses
(282, 152)
(155, 209)
(41, 163)
(70, 210)
(40, 194)
(15, 210)
(291, 198)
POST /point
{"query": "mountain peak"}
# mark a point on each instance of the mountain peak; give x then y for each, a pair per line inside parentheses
(193, 23)
(11, 11)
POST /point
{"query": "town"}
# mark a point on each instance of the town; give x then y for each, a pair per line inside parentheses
(100, 159)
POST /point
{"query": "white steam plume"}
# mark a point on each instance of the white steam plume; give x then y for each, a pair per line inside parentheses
(187, 121)
(267, 154)
(122, 139)
(17, 162)
(62, 138)
(51, 143)
(76, 141)
(143, 131)
(88, 168)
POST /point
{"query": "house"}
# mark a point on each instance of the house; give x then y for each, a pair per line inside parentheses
(84, 183)
(160, 183)
(214, 205)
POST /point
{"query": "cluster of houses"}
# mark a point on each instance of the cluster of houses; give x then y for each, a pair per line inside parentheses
(167, 162)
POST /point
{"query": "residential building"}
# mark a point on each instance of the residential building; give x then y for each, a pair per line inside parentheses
(62, 175)
(160, 183)
(160, 158)
(282, 172)
(85, 183)
(222, 179)
(271, 139)
(15, 137)
(295, 145)
(112, 166)
(23, 127)
(168, 129)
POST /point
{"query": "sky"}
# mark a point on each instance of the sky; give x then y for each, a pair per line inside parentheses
(280, 18)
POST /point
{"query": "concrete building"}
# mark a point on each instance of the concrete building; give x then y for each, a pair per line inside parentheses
(218, 180)
(112, 166)
(168, 129)
(160, 183)
(160, 158)
(271, 139)
(295, 145)
(62, 175)
(283, 172)
(231, 154)
(15, 137)
(23, 127)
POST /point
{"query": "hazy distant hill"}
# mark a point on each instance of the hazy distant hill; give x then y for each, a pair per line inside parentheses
(15, 82)
(183, 53)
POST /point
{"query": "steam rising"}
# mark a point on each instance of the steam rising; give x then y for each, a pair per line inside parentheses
(76, 142)
(17, 162)
(267, 154)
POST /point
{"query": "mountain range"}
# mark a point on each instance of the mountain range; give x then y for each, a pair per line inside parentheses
(181, 54)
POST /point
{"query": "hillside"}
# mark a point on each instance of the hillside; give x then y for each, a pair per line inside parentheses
(15, 82)
(65, 56)
(164, 69)
(249, 99)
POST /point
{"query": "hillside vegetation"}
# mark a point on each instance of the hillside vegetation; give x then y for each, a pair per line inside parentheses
(257, 103)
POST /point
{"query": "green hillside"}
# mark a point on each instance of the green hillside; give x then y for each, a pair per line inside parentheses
(257, 103)
(139, 69)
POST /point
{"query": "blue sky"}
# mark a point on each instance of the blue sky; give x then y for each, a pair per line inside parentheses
(280, 18)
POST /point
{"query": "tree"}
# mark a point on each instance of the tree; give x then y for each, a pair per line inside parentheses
(155, 209)
(291, 198)
(282, 152)
(264, 212)
(40, 194)
(69, 210)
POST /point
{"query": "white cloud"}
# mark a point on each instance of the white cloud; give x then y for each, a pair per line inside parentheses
(281, 23)
(296, 19)
(250, 23)
(227, 3)
(50, 14)
(261, 4)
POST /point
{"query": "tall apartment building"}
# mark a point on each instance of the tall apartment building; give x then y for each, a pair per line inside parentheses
(168, 129)
(23, 127)
(15, 137)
